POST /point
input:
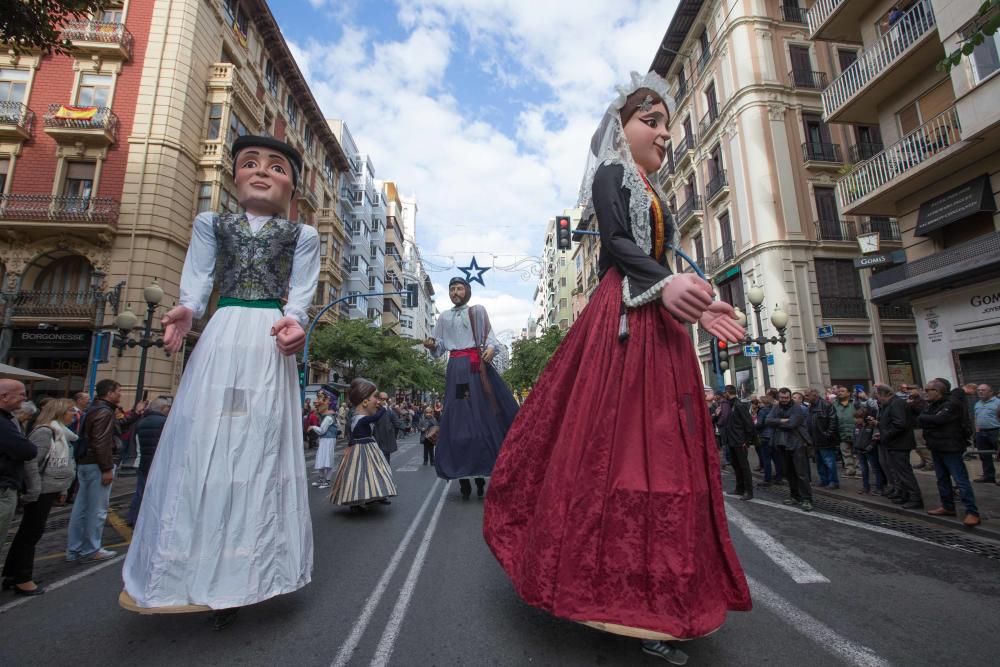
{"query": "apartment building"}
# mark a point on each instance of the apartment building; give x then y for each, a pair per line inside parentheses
(108, 153)
(751, 177)
(555, 295)
(392, 306)
(935, 168)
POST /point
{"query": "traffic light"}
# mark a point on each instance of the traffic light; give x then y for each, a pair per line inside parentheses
(564, 238)
(723, 355)
(302, 374)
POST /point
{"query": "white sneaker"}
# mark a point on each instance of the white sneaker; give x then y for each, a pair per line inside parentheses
(324, 485)
(316, 483)
(99, 555)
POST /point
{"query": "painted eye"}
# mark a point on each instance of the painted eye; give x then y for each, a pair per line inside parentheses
(249, 164)
(278, 168)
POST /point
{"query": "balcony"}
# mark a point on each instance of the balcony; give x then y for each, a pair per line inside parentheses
(703, 61)
(836, 20)
(911, 154)
(842, 307)
(307, 199)
(704, 337)
(45, 214)
(895, 311)
(887, 228)
(216, 154)
(689, 211)
(717, 186)
(15, 121)
(804, 79)
(864, 151)
(836, 230)
(39, 304)
(821, 155)
(908, 51)
(970, 262)
(106, 40)
(226, 76)
(684, 150)
(793, 14)
(89, 125)
(720, 257)
(708, 121)
(682, 91)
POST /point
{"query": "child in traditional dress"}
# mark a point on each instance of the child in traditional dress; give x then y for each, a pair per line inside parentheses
(327, 432)
(364, 476)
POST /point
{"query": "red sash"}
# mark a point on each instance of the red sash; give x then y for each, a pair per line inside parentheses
(471, 353)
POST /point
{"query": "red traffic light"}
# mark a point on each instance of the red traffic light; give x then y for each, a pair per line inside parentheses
(723, 345)
(563, 222)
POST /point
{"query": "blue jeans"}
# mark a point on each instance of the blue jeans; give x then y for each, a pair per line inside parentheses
(826, 466)
(90, 509)
(949, 465)
(766, 458)
(870, 459)
(133, 508)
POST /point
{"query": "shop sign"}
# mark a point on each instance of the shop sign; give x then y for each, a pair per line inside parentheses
(973, 197)
(825, 331)
(751, 350)
(47, 339)
(881, 259)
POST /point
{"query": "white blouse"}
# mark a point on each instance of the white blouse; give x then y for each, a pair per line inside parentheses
(198, 276)
(453, 331)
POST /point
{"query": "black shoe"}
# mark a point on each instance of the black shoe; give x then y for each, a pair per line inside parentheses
(913, 505)
(465, 487)
(7, 584)
(746, 496)
(480, 487)
(663, 650)
(224, 617)
(38, 590)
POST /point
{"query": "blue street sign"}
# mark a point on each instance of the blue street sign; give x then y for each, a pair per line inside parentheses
(770, 360)
(751, 350)
(825, 331)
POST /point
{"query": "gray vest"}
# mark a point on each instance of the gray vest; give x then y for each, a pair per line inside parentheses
(254, 266)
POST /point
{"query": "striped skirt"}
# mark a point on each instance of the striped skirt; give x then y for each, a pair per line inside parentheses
(363, 476)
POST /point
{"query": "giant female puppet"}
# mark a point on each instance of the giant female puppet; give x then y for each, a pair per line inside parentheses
(612, 514)
(225, 517)
(478, 406)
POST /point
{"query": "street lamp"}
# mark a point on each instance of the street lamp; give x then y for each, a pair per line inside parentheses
(127, 320)
(779, 319)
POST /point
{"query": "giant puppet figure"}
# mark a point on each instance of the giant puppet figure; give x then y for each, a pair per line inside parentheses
(612, 513)
(225, 517)
(478, 406)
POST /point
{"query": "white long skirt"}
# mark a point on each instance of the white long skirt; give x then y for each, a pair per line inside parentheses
(325, 452)
(225, 516)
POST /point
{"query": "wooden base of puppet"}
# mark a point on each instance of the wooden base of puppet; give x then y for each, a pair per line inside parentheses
(626, 631)
(126, 602)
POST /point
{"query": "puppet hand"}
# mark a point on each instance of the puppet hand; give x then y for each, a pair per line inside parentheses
(686, 297)
(430, 343)
(289, 335)
(489, 354)
(719, 321)
(176, 325)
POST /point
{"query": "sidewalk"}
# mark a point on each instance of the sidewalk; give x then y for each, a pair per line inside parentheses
(987, 497)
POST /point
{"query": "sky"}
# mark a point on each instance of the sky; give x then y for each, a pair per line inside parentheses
(481, 109)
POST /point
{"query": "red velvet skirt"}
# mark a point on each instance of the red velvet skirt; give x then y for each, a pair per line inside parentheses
(606, 503)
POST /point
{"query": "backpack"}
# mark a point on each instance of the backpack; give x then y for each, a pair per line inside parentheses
(82, 445)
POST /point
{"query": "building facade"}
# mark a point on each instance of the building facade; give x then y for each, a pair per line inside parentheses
(109, 152)
(392, 306)
(751, 175)
(555, 295)
(935, 169)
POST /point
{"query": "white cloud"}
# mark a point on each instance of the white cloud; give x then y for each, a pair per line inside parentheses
(480, 189)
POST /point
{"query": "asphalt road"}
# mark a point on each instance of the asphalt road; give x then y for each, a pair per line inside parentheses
(414, 584)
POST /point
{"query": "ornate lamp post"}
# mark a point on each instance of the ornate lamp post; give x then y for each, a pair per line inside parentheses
(779, 319)
(127, 320)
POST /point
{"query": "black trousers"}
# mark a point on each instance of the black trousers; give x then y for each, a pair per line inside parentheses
(741, 468)
(428, 453)
(21, 558)
(907, 488)
(796, 468)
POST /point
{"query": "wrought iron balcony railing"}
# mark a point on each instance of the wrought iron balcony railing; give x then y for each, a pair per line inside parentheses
(720, 257)
(103, 118)
(708, 120)
(683, 146)
(16, 114)
(793, 14)
(887, 228)
(864, 151)
(46, 208)
(917, 147)
(689, 208)
(43, 303)
(706, 55)
(895, 311)
(842, 307)
(836, 230)
(682, 90)
(803, 78)
(816, 151)
(98, 31)
(915, 23)
(716, 183)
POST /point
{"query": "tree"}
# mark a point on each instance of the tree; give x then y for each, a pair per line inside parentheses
(37, 24)
(986, 22)
(529, 358)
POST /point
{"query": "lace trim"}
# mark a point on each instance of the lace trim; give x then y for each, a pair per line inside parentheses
(648, 296)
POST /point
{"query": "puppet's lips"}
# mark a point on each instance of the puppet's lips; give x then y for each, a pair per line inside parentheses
(261, 186)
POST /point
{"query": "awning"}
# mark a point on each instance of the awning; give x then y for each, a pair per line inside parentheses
(13, 373)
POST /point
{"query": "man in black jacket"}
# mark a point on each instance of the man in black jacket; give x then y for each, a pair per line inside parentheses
(823, 428)
(147, 434)
(944, 434)
(788, 421)
(15, 449)
(736, 431)
(385, 432)
(895, 433)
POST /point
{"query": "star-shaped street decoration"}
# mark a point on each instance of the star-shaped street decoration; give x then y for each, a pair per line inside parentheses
(474, 268)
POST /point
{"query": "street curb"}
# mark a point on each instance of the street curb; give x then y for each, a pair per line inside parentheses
(989, 533)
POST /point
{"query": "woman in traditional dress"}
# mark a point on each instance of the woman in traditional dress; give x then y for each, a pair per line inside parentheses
(612, 514)
(364, 476)
(225, 514)
(327, 432)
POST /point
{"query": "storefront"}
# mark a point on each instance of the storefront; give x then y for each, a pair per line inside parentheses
(61, 354)
(849, 360)
(960, 333)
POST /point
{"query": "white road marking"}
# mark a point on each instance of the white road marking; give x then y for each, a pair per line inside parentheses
(351, 643)
(388, 641)
(408, 469)
(823, 635)
(800, 571)
(63, 582)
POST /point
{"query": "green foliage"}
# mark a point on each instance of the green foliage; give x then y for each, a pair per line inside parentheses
(36, 24)
(389, 361)
(529, 357)
(987, 21)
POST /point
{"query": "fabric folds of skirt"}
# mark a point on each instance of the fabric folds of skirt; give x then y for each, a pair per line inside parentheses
(363, 476)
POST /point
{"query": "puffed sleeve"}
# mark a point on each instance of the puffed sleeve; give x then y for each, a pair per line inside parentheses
(305, 275)
(644, 277)
(437, 334)
(198, 274)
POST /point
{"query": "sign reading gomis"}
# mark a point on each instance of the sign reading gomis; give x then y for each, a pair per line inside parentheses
(974, 197)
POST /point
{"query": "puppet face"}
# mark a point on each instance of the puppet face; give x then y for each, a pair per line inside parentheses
(263, 181)
(458, 293)
(647, 135)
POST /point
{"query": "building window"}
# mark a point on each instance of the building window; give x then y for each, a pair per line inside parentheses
(985, 58)
(934, 102)
(839, 287)
(846, 58)
(320, 297)
(79, 184)
(271, 77)
(231, 6)
(214, 121)
(94, 90)
(228, 202)
(237, 128)
(324, 242)
(13, 83)
(204, 197)
(4, 169)
(112, 16)
(293, 114)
